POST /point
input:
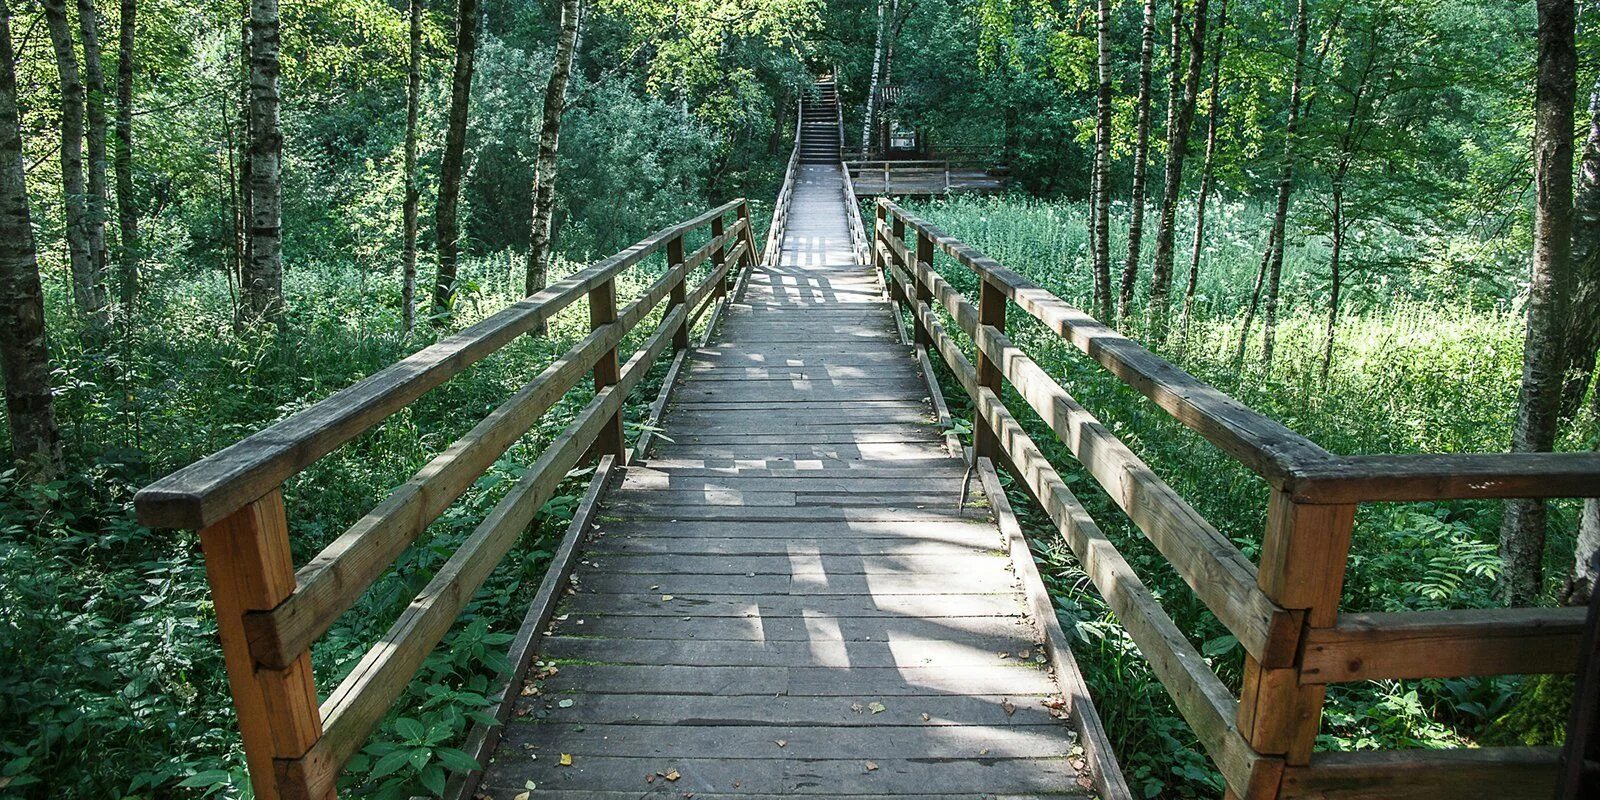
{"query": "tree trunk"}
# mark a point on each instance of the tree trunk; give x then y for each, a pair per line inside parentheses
(24, 354)
(544, 173)
(1522, 531)
(872, 85)
(244, 147)
(1581, 583)
(1583, 333)
(1280, 217)
(87, 289)
(1207, 174)
(262, 286)
(446, 224)
(1255, 301)
(408, 248)
(1335, 264)
(1141, 160)
(1177, 149)
(95, 107)
(127, 205)
(1100, 225)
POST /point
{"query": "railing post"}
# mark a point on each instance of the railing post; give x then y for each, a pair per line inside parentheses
(991, 312)
(880, 256)
(678, 293)
(718, 257)
(924, 293)
(249, 567)
(1303, 556)
(603, 311)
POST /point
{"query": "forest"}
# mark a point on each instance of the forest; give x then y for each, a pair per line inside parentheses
(1375, 221)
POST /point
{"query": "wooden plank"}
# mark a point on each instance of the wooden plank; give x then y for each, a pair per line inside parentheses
(809, 630)
(841, 655)
(209, 489)
(694, 604)
(483, 739)
(364, 696)
(877, 585)
(588, 680)
(1444, 644)
(974, 776)
(799, 563)
(1109, 781)
(1446, 476)
(830, 712)
(1488, 773)
(249, 567)
(801, 742)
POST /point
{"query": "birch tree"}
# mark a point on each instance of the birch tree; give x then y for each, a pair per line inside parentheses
(88, 289)
(1208, 171)
(1522, 529)
(1280, 216)
(122, 159)
(446, 222)
(24, 354)
(1101, 225)
(1141, 159)
(409, 213)
(1177, 148)
(544, 173)
(261, 286)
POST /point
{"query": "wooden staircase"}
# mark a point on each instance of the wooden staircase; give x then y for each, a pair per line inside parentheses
(820, 137)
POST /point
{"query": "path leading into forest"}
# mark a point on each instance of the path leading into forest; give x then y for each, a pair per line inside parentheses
(786, 598)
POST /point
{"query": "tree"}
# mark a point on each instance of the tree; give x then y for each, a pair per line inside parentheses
(1280, 216)
(447, 226)
(24, 354)
(261, 285)
(1177, 147)
(1522, 529)
(544, 173)
(88, 290)
(408, 247)
(1583, 333)
(872, 86)
(1101, 224)
(1208, 171)
(1141, 158)
(122, 160)
(95, 114)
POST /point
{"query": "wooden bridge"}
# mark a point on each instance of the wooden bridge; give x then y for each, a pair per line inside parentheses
(806, 585)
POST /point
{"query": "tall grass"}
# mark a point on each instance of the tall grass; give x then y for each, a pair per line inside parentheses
(1411, 373)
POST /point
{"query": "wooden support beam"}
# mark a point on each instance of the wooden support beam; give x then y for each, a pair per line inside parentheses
(680, 337)
(1486, 773)
(1302, 568)
(991, 313)
(1444, 644)
(249, 567)
(603, 311)
(924, 256)
(717, 257)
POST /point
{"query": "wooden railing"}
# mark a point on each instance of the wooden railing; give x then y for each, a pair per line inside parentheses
(1284, 612)
(780, 207)
(269, 614)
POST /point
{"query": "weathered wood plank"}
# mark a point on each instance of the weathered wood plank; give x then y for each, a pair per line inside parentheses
(1489, 773)
(1444, 644)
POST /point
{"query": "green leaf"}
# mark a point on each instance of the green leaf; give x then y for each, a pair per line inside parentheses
(202, 780)
(390, 763)
(433, 778)
(409, 728)
(456, 759)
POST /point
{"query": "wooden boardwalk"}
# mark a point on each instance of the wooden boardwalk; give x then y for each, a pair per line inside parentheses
(786, 597)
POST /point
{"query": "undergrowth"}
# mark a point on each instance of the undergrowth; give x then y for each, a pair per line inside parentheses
(1408, 375)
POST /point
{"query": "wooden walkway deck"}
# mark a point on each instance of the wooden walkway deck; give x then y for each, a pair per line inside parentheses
(786, 597)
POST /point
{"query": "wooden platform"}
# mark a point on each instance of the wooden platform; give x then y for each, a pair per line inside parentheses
(787, 597)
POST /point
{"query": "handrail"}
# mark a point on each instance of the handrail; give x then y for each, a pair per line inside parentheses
(852, 206)
(780, 207)
(208, 490)
(269, 615)
(1285, 613)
